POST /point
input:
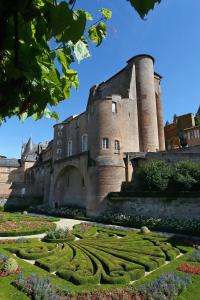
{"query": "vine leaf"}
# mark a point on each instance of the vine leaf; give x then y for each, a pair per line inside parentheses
(143, 6)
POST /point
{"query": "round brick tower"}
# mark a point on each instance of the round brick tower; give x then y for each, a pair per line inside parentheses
(147, 112)
(107, 169)
(161, 134)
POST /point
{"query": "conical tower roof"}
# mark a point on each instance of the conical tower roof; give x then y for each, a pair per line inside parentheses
(198, 111)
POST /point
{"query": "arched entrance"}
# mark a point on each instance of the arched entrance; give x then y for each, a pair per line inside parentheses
(70, 188)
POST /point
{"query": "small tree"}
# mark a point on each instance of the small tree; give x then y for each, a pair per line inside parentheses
(154, 175)
(186, 175)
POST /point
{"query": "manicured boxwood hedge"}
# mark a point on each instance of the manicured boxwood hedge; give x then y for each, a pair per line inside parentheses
(101, 256)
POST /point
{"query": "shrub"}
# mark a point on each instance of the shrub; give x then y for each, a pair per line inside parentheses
(10, 265)
(167, 286)
(22, 240)
(83, 227)
(59, 234)
(186, 176)
(154, 175)
(144, 230)
(195, 256)
(25, 213)
(36, 288)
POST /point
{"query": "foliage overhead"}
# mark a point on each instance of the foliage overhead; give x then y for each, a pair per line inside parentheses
(39, 41)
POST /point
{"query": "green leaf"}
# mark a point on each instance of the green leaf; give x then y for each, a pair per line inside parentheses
(54, 115)
(23, 116)
(74, 31)
(143, 6)
(47, 113)
(106, 13)
(61, 18)
(88, 16)
(96, 34)
(62, 59)
(81, 51)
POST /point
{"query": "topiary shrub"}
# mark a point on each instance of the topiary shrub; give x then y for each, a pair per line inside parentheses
(59, 235)
(144, 230)
(154, 175)
(10, 265)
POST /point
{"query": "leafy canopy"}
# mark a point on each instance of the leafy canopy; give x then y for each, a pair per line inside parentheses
(34, 35)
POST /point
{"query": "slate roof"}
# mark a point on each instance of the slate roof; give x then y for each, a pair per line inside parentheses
(31, 151)
(10, 162)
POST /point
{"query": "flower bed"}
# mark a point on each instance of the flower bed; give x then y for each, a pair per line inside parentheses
(195, 256)
(167, 286)
(18, 224)
(4, 273)
(65, 212)
(187, 226)
(187, 268)
(8, 266)
(40, 288)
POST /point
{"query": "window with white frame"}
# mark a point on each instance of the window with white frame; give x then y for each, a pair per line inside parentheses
(105, 143)
(69, 148)
(84, 142)
(117, 146)
(114, 107)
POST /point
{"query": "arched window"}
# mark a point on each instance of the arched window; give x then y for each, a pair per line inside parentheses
(117, 146)
(69, 148)
(105, 143)
(84, 142)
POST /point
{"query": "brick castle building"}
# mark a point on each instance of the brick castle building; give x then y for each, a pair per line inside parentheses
(87, 157)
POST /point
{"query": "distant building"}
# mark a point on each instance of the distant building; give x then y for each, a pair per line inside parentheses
(12, 170)
(183, 132)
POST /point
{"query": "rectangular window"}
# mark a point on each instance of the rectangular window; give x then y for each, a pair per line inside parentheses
(59, 133)
(105, 143)
(69, 148)
(59, 151)
(59, 142)
(117, 146)
(114, 107)
(84, 143)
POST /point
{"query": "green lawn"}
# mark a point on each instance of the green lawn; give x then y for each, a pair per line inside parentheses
(100, 259)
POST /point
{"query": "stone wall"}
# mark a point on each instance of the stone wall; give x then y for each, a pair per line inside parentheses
(158, 207)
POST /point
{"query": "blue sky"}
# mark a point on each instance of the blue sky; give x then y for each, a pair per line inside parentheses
(171, 33)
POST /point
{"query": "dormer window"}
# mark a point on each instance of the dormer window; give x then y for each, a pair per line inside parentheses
(105, 143)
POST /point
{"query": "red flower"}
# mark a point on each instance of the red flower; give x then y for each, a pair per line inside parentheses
(187, 268)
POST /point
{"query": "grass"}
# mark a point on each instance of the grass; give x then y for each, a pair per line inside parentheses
(101, 259)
